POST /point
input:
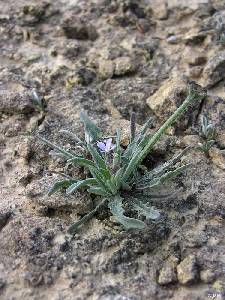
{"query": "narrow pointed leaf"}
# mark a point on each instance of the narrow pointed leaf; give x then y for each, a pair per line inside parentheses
(158, 181)
(98, 159)
(118, 152)
(112, 187)
(65, 153)
(143, 209)
(58, 185)
(98, 191)
(99, 176)
(79, 184)
(147, 125)
(74, 137)
(82, 162)
(92, 132)
(117, 210)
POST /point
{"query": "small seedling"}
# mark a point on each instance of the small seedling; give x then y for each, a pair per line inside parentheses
(115, 173)
(37, 101)
(208, 135)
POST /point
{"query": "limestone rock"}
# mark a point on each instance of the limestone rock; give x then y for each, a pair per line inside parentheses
(207, 276)
(160, 10)
(106, 69)
(164, 101)
(218, 158)
(79, 30)
(129, 94)
(214, 69)
(124, 65)
(167, 274)
(16, 102)
(37, 190)
(194, 37)
(182, 4)
(187, 270)
(194, 57)
(195, 71)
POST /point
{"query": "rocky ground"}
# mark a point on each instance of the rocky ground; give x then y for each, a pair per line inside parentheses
(109, 58)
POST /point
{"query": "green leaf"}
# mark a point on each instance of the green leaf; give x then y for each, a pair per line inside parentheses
(115, 206)
(112, 186)
(193, 95)
(74, 137)
(100, 163)
(147, 125)
(79, 184)
(98, 191)
(210, 132)
(145, 210)
(119, 175)
(58, 185)
(82, 162)
(163, 168)
(209, 144)
(160, 180)
(65, 153)
(92, 132)
(99, 176)
(204, 122)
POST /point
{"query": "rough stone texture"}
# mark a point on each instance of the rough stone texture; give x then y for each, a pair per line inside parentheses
(14, 102)
(123, 66)
(187, 270)
(167, 99)
(168, 274)
(207, 276)
(213, 71)
(67, 51)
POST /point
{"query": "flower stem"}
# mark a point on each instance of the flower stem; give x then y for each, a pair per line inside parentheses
(138, 158)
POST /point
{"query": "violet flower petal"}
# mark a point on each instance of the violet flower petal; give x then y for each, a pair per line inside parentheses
(101, 146)
(108, 145)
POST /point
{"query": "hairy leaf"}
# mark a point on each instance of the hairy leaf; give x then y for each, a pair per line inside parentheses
(79, 184)
(92, 132)
(81, 161)
(160, 180)
(74, 137)
(58, 185)
(112, 186)
(64, 153)
(100, 163)
(145, 210)
(98, 191)
(117, 210)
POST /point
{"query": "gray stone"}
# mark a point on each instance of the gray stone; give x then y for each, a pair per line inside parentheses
(182, 4)
(207, 276)
(16, 102)
(187, 270)
(106, 69)
(124, 65)
(214, 69)
(159, 9)
(79, 30)
(167, 274)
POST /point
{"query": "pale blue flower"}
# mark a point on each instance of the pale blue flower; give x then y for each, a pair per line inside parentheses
(106, 146)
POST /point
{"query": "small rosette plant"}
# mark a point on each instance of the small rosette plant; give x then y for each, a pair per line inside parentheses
(115, 173)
